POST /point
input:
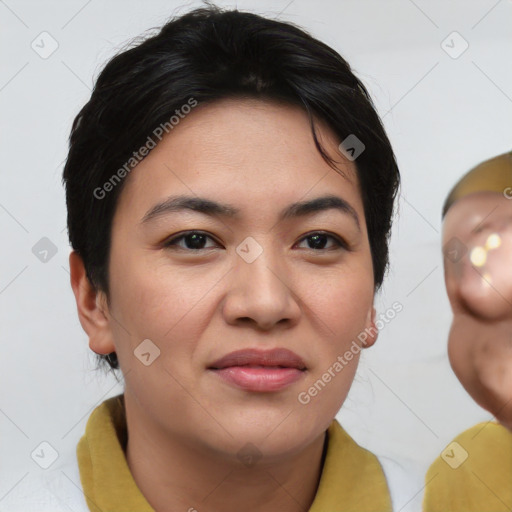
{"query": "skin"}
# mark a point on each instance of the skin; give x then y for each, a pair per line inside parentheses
(480, 294)
(185, 424)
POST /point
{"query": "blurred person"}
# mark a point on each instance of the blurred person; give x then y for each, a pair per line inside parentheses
(474, 472)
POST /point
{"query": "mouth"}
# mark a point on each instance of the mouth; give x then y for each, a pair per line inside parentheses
(260, 370)
(276, 358)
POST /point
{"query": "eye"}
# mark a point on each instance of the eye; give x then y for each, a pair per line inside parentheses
(192, 240)
(196, 240)
(318, 241)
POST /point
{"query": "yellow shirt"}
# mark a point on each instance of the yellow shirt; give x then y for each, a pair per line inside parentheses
(473, 473)
(352, 478)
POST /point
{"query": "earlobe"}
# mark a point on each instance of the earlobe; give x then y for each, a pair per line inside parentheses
(91, 308)
(371, 330)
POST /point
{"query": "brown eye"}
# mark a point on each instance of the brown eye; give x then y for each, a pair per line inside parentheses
(192, 240)
(318, 241)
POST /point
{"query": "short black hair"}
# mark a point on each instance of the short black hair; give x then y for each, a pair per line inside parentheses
(208, 54)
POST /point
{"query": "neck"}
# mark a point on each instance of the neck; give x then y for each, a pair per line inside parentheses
(174, 475)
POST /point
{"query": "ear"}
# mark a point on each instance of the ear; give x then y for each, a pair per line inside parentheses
(371, 330)
(91, 306)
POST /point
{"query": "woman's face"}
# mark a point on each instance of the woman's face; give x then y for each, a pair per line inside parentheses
(248, 277)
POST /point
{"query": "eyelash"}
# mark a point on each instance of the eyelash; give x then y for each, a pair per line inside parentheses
(340, 243)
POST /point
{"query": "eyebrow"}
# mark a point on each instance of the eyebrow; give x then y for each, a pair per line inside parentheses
(212, 208)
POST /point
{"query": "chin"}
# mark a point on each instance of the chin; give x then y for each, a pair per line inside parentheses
(275, 433)
(495, 394)
(506, 420)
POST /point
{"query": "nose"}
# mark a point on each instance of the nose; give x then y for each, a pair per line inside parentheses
(261, 293)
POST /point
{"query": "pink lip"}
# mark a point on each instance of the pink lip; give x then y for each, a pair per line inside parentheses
(260, 370)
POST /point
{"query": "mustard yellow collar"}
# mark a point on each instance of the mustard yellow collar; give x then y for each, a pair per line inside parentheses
(473, 473)
(352, 478)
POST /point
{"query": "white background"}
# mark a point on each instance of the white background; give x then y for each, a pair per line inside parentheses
(443, 116)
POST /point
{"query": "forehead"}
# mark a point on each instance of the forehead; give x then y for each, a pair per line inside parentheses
(242, 148)
(473, 210)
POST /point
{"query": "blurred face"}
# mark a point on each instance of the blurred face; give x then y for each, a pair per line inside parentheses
(477, 241)
(240, 271)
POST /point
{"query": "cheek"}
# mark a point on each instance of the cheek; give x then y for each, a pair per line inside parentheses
(342, 301)
(337, 309)
(169, 308)
(154, 301)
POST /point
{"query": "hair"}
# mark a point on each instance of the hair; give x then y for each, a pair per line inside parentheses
(210, 54)
(492, 175)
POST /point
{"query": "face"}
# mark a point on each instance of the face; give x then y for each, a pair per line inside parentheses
(480, 280)
(254, 274)
(477, 237)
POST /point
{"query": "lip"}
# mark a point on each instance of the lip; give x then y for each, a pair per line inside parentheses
(260, 370)
(275, 357)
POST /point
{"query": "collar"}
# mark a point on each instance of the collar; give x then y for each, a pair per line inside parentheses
(352, 479)
(473, 473)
